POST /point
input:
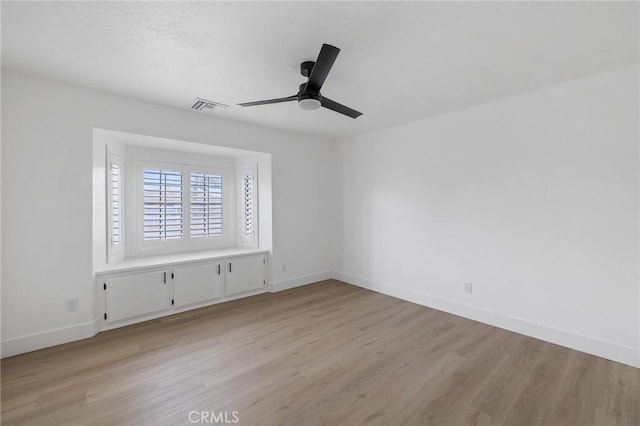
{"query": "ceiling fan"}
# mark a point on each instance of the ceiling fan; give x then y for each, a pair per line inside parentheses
(308, 95)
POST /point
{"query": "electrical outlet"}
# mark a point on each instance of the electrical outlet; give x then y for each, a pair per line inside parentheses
(284, 267)
(468, 288)
(72, 304)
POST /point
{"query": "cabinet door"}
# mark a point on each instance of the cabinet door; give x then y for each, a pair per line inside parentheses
(245, 274)
(136, 295)
(198, 283)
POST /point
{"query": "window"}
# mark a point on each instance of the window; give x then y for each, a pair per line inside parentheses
(163, 209)
(247, 200)
(115, 205)
(249, 214)
(206, 205)
(179, 203)
(160, 197)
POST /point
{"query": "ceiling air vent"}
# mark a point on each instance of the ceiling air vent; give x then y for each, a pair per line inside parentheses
(205, 105)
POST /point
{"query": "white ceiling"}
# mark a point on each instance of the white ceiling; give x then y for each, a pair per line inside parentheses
(399, 61)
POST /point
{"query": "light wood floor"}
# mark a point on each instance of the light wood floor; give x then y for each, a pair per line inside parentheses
(327, 353)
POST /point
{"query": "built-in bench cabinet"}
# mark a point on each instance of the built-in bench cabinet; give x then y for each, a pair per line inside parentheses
(146, 292)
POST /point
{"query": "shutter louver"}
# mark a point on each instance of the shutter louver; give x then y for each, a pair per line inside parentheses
(206, 205)
(163, 210)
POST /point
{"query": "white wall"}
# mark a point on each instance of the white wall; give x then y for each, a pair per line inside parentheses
(534, 199)
(47, 198)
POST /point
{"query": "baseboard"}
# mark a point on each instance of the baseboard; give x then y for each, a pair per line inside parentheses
(58, 336)
(276, 286)
(602, 348)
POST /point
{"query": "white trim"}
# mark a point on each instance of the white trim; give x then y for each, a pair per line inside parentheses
(276, 286)
(591, 345)
(45, 339)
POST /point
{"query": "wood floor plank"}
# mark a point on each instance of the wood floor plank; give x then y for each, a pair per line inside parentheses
(327, 353)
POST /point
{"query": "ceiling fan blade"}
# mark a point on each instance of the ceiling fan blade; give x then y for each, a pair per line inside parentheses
(270, 101)
(320, 71)
(334, 106)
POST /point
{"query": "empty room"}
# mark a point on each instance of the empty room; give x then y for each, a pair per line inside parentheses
(320, 213)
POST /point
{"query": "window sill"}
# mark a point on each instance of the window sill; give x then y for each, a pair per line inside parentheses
(175, 259)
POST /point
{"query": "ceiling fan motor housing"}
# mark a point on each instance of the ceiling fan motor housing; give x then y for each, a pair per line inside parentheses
(306, 67)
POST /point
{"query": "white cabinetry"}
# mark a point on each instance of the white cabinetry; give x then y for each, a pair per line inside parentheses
(143, 292)
(136, 295)
(245, 274)
(198, 283)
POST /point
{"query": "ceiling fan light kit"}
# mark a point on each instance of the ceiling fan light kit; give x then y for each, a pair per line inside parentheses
(309, 104)
(309, 96)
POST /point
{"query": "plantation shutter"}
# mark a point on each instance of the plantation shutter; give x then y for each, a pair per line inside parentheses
(247, 202)
(163, 214)
(206, 205)
(115, 204)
